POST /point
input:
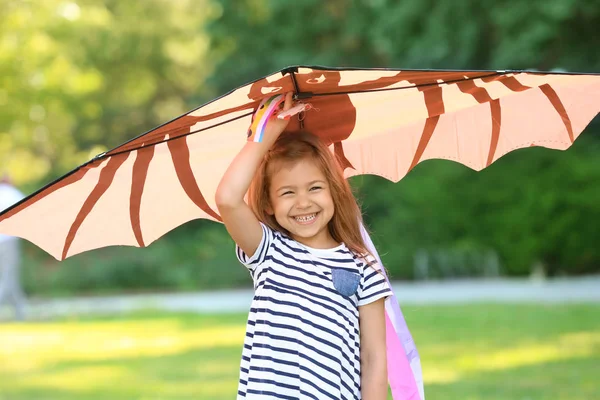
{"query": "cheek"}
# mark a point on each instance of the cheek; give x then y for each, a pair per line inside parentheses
(284, 205)
(326, 200)
(278, 206)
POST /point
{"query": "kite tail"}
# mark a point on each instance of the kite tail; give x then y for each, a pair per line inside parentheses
(403, 362)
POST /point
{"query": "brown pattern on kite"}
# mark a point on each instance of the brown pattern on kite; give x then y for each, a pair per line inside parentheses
(415, 78)
(104, 181)
(428, 129)
(181, 160)
(496, 110)
(513, 84)
(560, 109)
(510, 82)
(435, 107)
(138, 181)
(432, 93)
(339, 109)
(482, 96)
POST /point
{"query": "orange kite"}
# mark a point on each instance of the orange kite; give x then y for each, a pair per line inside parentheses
(377, 121)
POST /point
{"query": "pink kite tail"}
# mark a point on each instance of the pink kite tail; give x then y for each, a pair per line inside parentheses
(404, 365)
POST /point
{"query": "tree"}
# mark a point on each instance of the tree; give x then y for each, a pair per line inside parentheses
(81, 77)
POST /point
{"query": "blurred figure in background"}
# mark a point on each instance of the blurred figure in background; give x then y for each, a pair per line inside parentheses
(10, 256)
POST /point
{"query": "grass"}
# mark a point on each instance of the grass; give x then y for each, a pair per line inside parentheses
(471, 352)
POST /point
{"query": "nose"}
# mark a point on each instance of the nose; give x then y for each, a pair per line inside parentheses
(303, 202)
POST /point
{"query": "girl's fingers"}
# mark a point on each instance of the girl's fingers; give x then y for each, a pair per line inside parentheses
(288, 101)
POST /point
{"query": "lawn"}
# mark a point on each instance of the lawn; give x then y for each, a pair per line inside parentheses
(471, 352)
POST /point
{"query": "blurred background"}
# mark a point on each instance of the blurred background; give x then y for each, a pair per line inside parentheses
(487, 264)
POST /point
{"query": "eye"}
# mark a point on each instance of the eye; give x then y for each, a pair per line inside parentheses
(312, 189)
(287, 192)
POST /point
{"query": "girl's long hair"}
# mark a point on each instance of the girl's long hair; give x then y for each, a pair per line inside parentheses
(292, 147)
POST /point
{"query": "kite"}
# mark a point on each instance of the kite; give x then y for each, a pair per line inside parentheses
(376, 121)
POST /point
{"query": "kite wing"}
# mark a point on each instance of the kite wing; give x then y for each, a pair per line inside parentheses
(381, 122)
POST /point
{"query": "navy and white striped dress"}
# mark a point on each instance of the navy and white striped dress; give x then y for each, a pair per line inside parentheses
(302, 338)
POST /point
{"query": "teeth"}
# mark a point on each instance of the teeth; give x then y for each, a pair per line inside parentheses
(306, 218)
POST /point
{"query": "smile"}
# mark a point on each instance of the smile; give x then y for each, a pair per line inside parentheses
(305, 219)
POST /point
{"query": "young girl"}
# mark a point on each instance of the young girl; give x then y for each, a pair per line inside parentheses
(316, 328)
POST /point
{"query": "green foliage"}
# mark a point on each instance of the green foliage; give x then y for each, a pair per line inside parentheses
(78, 78)
(198, 256)
(532, 205)
(252, 37)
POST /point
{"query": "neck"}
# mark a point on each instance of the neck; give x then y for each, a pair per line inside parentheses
(323, 240)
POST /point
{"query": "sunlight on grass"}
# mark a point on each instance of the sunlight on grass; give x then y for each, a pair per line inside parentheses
(569, 346)
(580, 345)
(434, 374)
(82, 380)
(473, 352)
(214, 367)
(34, 346)
(86, 380)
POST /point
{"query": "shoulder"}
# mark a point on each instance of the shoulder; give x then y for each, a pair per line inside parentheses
(366, 262)
(269, 237)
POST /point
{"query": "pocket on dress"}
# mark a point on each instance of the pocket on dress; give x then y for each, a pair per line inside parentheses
(345, 282)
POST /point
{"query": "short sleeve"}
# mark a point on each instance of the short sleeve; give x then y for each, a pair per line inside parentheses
(251, 262)
(373, 284)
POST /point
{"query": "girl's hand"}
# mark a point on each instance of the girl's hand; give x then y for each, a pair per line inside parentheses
(275, 126)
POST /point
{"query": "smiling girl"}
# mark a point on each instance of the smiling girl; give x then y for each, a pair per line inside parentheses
(316, 327)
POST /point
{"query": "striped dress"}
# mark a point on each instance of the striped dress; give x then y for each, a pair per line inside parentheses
(302, 337)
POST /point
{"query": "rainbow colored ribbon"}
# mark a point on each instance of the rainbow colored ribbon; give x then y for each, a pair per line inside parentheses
(264, 112)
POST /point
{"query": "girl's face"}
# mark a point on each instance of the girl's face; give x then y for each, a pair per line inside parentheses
(302, 204)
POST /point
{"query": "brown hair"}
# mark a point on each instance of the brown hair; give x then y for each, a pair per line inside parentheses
(292, 147)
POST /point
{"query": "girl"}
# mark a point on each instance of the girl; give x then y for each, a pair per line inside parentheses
(316, 327)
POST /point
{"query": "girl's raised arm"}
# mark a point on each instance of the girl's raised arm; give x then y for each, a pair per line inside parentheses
(240, 221)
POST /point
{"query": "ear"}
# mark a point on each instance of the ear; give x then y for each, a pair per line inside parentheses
(269, 210)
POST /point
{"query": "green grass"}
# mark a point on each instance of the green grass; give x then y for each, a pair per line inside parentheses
(491, 352)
